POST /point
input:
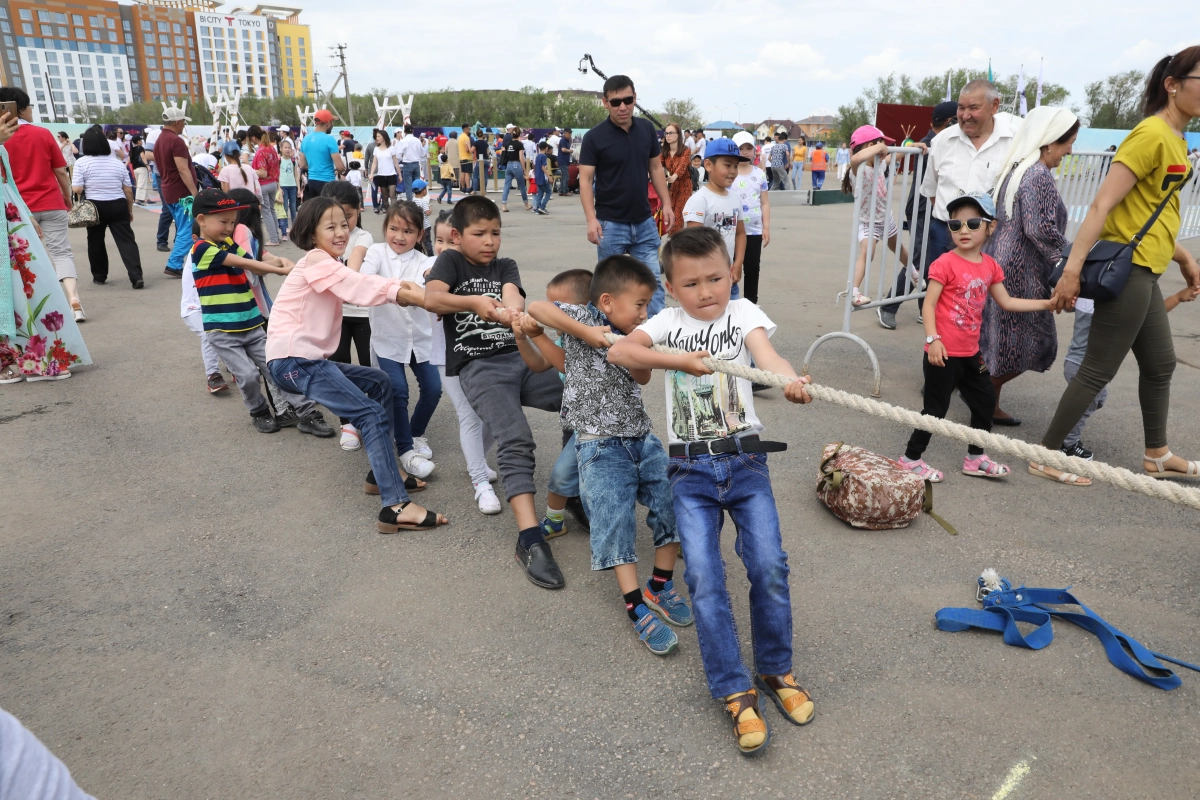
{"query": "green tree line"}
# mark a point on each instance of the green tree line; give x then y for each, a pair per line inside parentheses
(931, 90)
(528, 107)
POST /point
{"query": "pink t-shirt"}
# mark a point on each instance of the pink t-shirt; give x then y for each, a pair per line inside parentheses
(306, 317)
(965, 287)
(240, 176)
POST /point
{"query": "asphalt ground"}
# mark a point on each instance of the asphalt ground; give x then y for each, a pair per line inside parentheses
(195, 610)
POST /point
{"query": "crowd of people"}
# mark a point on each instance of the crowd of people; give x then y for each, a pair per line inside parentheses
(426, 298)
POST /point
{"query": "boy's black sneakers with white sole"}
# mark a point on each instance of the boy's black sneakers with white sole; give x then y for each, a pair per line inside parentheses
(264, 423)
(1078, 451)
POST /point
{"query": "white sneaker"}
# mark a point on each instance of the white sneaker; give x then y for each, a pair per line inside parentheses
(486, 495)
(350, 438)
(421, 446)
(416, 464)
(493, 476)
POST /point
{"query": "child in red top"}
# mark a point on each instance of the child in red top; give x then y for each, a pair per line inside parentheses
(959, 285)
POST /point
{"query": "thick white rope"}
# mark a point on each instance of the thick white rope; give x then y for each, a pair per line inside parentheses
(1096, 470)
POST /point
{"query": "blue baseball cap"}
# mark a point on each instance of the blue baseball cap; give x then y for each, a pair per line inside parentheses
(723, 147)
(983, 201)
(230, 148)
(419, 184)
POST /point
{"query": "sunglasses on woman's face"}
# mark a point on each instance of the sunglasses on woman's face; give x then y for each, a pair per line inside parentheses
(617, 101)
(973, 224)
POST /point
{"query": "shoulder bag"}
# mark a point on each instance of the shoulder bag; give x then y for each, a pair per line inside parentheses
(1108, 264)
(83, 214)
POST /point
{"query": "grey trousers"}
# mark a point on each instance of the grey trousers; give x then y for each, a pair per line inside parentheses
(497, 388)
(1070, 368)
(1137, 321)
(270, 221)
(244, 353)
(58, 246)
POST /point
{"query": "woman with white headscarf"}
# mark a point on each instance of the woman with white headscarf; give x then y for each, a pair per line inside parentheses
(1030, 222)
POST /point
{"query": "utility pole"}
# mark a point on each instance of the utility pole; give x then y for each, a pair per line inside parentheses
(345, 81)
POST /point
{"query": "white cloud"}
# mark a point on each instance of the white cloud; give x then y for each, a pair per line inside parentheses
(701, 51)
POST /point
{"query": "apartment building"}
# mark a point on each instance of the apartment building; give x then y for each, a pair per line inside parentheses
(77, 57)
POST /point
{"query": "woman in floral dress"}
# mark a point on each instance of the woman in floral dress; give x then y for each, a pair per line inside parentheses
(39, 340)
(1030, 222)
(676, 159)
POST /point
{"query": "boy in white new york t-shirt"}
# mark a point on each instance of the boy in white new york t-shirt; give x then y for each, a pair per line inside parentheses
(718, 464)
(714, 206)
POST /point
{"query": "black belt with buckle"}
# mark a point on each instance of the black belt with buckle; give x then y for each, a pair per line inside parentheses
(730, 444)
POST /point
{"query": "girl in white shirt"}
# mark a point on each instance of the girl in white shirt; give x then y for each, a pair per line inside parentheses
(403, 336)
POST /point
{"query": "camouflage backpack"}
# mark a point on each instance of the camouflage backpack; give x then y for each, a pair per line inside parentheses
(870, 491)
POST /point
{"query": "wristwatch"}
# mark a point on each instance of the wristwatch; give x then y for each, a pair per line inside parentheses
(931, 339)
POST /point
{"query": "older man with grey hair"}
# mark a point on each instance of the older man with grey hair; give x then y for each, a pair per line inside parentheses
(963, 158)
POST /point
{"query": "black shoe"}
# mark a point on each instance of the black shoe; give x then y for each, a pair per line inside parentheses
(173, 273)
(265, 423)
(886, 318)
(287, 419)
(1078, 451)
(99, 281)
(315, 425)
(1006, 422)
(575, 506)
(540, 566)
(162, 248)
(139, 284)
(760, 387)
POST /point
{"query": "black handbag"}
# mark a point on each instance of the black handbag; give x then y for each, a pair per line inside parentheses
(1108, 264)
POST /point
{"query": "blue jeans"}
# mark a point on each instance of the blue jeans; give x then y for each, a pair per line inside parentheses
(290, 205)
(512, 171)
(543, 196)
(564, 477)
(410, 171)
(479, 176)
(374, 194)
(430, 385)
(639, 240)
(360, 394)
(705, 487)
(183, 236)
(614, 473)
(447, 190)
(818, 178)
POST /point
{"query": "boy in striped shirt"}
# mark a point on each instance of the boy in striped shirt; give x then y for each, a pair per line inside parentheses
(232, 322)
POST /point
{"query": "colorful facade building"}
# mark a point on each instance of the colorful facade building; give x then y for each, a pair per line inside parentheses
(78, 57)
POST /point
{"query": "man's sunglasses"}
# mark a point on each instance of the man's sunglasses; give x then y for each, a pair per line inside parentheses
(973, 224)
(618, 101)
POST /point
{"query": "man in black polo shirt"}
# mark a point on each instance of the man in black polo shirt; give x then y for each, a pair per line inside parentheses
(620, 155)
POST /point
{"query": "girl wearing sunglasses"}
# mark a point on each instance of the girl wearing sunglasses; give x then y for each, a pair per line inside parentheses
(959, 285)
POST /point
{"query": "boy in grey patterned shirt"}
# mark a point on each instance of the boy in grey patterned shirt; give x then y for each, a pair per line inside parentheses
(621, 463)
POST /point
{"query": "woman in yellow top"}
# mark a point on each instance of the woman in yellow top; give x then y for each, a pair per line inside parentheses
(799, 153)
(1149, 163)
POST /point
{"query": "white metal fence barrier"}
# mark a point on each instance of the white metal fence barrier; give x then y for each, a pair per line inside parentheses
(1078, 178)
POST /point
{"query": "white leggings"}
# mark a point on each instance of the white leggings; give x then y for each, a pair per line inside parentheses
(196, 325)
(473, 434)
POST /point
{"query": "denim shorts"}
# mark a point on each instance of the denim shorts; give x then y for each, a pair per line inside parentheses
(614, 473)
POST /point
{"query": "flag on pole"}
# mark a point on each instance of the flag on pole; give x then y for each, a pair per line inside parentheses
(948, 85)
(1022, 104)
(990, 70)
(1041, 68)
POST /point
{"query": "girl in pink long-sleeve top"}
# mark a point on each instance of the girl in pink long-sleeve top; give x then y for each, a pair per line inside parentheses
(306, 324)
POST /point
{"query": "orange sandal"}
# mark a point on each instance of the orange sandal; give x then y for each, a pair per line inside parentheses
(798, 708)
(737, 705)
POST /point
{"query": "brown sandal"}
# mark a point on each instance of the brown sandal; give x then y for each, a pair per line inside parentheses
(736, 705)
(800, 703)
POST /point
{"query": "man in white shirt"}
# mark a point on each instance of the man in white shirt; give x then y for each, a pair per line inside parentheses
(701, 145)
(963, 158)
(410, 153)
(764, 160)
(204, 158)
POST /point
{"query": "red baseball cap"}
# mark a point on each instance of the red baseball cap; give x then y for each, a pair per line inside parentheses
(323, 116)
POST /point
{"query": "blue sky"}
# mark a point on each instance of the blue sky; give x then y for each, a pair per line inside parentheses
(745, 60)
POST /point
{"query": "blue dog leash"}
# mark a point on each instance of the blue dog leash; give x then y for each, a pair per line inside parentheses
(1004, 607)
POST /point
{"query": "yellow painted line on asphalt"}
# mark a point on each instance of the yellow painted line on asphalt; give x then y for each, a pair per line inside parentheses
(1012, 781)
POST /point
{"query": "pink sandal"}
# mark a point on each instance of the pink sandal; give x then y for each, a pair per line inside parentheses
(921, 469)
(983, 467)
